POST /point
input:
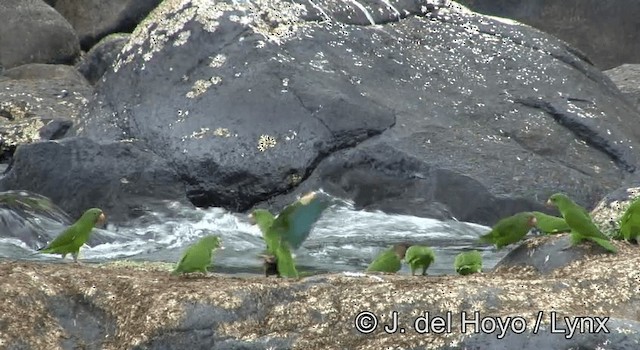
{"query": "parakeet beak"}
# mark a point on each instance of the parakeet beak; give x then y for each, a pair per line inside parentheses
(307, 198)
(549, 203)
(252, 219)
(101, 219)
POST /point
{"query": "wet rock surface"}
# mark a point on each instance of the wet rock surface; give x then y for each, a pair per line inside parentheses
(454, 113)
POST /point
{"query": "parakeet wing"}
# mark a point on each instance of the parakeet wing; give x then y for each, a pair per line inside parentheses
(508, 230)
(419, 255)
(66, 238)
(581, 223)
(468, 262)
(264, 219)
(630, 222)
(550, 224)
(387, 261)
(196, 258)
(297, 219)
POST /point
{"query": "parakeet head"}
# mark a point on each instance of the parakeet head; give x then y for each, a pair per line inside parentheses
(259, 215)
(307, 198)
(211, 242)
(558, 200)
(532, 221)
(401, 249)
(94, 215)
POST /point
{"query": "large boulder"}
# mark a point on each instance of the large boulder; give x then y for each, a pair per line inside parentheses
(451, 112)
(39, 102)
(120, 177)
(121, 306)
(95, 19)
(33, 32)
(607, 34)
(102, 56)
(627, 79)
(548, 253)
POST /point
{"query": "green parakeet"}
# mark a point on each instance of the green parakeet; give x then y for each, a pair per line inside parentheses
(389, 260)
(76, 235)
(579, 220)
(198, 256)
(549, 224)
(630, 222)
(418, 256)
(510, 230)
(288, 230)
(469, 262)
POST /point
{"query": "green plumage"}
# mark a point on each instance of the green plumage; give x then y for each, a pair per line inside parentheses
(630, 222)
(198, 256)
(419, 257)
(389, 260)
(579, 220)
(469, 262)
(549, 224)
(510, 230)
(76, 235)
(288, 231)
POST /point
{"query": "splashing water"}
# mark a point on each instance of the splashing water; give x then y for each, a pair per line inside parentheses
(343, 239)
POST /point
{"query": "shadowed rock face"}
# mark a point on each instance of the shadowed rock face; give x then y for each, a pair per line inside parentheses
(143, 307)
(436, 111)
(607, 34)
(95, 19)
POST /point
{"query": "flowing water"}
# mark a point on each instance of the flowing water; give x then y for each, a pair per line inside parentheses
(344, 239)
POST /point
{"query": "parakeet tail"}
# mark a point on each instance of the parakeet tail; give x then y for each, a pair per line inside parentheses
(605, 244)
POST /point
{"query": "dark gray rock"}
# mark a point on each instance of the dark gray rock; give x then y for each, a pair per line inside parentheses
(95, 19)
(39, 102)
(119, 177)
(36, 221)
(627, 79)
(546, 254)
(102, 56)
(26, 216)
(452, 113)
(84, 323)
(607, 34)
(615, 334)
(33, 32)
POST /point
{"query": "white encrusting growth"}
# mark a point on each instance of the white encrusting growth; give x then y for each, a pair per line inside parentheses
(395, 10)
(319, 8)
(364, 10)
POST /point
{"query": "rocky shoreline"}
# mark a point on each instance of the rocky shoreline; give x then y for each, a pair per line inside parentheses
(416, 107)
(133, 306)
